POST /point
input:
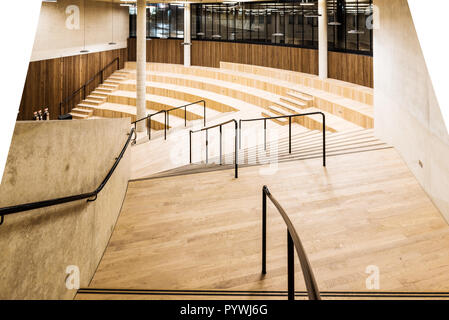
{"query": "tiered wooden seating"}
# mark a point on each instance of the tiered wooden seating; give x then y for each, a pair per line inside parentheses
(354, 111)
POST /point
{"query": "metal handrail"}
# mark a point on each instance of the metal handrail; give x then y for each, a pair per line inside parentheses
(289, 116)
(185, 112)
(83, 87)
(220, 125)
(293, 241)
(47, 203)
(148, 118)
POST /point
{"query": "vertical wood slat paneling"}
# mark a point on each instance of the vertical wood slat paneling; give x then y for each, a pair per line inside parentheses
(352, 68)
(50, 81)
(210, 53)
(342, 66)
(159, 50)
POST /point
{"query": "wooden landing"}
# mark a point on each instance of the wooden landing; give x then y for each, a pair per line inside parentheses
(202, 231)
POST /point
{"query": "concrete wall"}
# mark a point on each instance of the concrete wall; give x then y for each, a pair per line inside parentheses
(407, 113)
(55, 159)
(54, 39)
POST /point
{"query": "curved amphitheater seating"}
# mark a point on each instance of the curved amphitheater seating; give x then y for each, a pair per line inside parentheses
(290, 93)
(234, 87)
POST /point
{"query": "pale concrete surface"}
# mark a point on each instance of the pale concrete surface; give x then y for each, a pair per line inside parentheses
(53, 38)
(51, 159)
(407, 113)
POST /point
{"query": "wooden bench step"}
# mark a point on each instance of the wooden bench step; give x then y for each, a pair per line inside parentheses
(81, 110)
(79, 116)
(288, 108)
(301, 96)
(90, 101)
(280, 121)
(296, 103)
(96, 98)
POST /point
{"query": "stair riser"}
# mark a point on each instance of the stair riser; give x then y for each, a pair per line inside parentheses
(299, 106)
(274, 120)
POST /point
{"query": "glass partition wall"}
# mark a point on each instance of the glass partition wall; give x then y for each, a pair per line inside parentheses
(287, 23)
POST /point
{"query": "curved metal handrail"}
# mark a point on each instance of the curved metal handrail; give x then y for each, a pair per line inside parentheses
(292, 241)
(289, 116)
(220, 125)
(46, 203)
(148, 117)
(185, 112)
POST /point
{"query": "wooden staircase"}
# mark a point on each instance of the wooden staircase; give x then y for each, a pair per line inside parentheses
(304, 146)
(298, 103)
(99, 96)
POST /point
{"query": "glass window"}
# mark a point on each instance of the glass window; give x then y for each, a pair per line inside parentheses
(286, 23)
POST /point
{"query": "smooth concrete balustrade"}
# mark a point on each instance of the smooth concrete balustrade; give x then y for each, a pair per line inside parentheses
(47, 160)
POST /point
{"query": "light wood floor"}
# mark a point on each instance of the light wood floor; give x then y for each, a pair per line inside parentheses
(202, 231)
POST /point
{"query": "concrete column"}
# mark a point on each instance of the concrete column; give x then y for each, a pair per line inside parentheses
(322, 39)
(187, 35)
(141, 59)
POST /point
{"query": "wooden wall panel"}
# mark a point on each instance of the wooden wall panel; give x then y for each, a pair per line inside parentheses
(210, 53)
(352, 68)
(342, 66)
(50, 81)
(159, 50)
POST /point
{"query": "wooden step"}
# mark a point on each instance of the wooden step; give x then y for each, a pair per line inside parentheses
(108, 81)
(104, 90)
(100, 93)
(288, 108)
(280, 121)
(85, 106)
(296, 103)
(302, 97)
(96, 98)
(123, 71)
(93, 102)
(278, 111)
(79, 116)
(107, 85)
(116, 77)
(81, 110)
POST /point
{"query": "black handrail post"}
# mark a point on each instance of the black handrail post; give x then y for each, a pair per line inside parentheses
(101, 76)
(207, 146)
(204, 111)
(324, 139)
(240, 133)
(290, 135)
(190, 145)
(265, 134)
(135, 136)
(185, 116)
(148, 127)
(264, 230)
(84, 92)
(236, 151)
(168, 119)
(165, 126)
(291, 267)
(221, 146)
